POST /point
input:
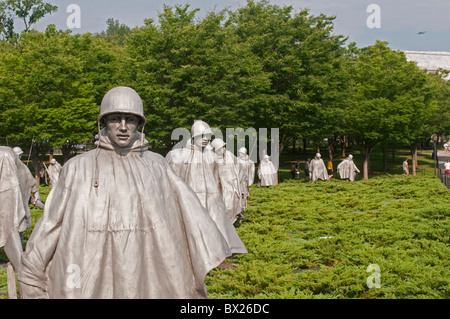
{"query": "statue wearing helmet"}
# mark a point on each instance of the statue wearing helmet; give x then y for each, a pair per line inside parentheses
(228, 178)
(318, 169)
(196, 164)
(121, 215)
(266, 172)
(347, 169)
(13, 216)
(246, 168)
(53, 171)
(28, 187)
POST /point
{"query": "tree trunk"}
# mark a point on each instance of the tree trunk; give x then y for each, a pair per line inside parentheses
(384, 158)
(366, 158)
(283, 143)
(344, 145)
(35, 161)
(66, 153)
(414, 159)
(293, 145)
(51, 155)
(305, 142)
(393, 155)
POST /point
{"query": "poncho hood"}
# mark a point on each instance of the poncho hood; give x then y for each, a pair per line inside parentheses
(139, 144)
(141, 233)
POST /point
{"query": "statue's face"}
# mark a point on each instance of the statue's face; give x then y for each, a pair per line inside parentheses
(202, 141)
(121, 128)
(220, 151)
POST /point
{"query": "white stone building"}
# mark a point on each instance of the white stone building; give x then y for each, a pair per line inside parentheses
(429, 60)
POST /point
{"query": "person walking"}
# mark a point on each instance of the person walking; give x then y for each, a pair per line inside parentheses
(293, 170)
(447, 167)
(307, 163)
(330, 169)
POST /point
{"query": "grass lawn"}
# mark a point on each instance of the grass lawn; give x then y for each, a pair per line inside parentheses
(317, 240)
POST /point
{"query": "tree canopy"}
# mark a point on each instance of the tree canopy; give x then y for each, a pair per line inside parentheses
(260, 66)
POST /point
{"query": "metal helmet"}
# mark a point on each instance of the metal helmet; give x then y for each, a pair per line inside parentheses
(217, 143)
(122, 99)
(17, 150)
(200, 128)
(350, 156)
(53, 161)
(318, 155)
(242, 150)
(266, 157)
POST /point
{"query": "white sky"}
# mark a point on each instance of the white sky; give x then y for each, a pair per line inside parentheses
(400, 20)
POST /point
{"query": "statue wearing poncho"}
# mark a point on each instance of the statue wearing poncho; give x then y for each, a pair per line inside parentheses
(195, 164)
(246, 175)
(347, 169)
(266, 172)
(12, 211)
(53, 172)
(228, 178)
(120, 223)
(28, 187)
(317, 169)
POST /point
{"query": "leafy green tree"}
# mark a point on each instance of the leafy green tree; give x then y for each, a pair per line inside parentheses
(115, 31)
(439, 114)
(186, 70)
(302, 58)
(102, 62)
(389, 100)
(28, 11)
(54, 103)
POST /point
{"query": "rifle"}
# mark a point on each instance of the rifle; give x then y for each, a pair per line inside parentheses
(29, 153)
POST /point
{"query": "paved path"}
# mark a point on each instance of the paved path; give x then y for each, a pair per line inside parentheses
(442, 158)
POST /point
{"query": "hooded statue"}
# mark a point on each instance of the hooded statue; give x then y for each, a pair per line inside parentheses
(246, 169)
(53, 172)
(197, 166)
(266, 172)
(120, 223)
(28, 187)
(228, 178)
(347, 169)
(317, 169)
(13, 216)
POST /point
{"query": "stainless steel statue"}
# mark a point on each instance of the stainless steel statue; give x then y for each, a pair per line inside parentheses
(28, 187)
(120, 223)
(228, 178)
(347, 169)
(266, 172)
(317, 169)
(12, 211)
(196, 165)
(53, 172)
(246, 168)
